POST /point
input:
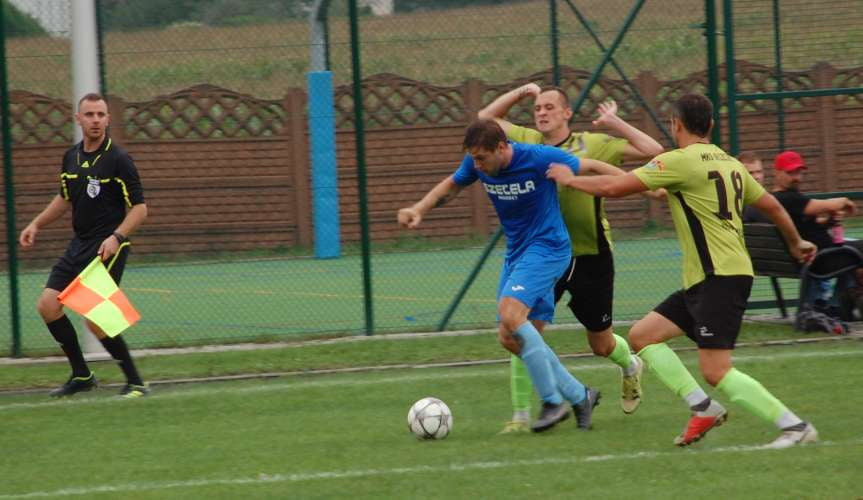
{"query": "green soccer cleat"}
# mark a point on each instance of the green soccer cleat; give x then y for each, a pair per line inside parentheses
(515, 427)
(75, 385)
(131, 391)
(631, 397)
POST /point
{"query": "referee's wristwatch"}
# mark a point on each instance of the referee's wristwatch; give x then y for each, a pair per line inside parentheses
(120, 238)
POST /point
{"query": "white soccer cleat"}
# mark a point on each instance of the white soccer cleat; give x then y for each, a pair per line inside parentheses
(631, 397)
(789, 438)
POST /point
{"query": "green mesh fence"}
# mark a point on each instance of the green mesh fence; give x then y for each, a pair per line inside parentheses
(827, 31)
(211, 100)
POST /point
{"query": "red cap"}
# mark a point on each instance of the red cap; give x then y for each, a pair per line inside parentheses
(788, 161)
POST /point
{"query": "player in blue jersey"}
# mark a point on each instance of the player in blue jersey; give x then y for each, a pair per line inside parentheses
(537, 254)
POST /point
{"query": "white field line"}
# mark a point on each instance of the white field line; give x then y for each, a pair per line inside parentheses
(297, 384)
(165, 351)
(449, 364)
(422, 469)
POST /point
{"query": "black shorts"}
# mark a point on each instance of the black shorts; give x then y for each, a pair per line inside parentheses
(77, 256)
(589, 279)
(710, 312)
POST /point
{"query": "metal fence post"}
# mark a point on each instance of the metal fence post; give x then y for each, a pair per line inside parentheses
(11, 239)
(730, 82)
(712, 68)
(780, 85)
(359, 132)
(555, 43)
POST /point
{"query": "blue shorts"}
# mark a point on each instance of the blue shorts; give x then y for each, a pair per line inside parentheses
(531, 279)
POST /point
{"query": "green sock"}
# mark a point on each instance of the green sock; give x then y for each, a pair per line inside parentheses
(519, 384)
(750, 394)
(620, 355)
(667, 366)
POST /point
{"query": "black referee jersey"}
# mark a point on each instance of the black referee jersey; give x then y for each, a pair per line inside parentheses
(101, 185)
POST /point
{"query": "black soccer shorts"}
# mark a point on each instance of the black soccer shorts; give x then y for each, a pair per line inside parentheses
(589, 279)
(77, 256)
(710, 312)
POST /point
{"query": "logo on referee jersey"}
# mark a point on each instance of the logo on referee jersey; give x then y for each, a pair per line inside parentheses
(517, 288)
(93, 188)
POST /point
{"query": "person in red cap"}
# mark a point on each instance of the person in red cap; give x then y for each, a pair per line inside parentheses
(813, 217)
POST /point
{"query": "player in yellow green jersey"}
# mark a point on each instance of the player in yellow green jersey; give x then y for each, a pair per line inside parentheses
(707, 190)
(590, 276)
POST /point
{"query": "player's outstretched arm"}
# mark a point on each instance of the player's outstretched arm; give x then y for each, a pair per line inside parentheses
(447, 189)
(607, 186)
(597, 167)
(641, 146)
(802, 250)
(55, 209)
(498, 108)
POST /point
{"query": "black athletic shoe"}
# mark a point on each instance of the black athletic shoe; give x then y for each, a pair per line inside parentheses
(549, 416)
(131, 391)
(584, 410)
(75, 385)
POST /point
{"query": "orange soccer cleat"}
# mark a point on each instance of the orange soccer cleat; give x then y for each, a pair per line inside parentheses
(698, 426)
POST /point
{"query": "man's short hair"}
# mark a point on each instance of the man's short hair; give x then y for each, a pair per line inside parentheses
(92, 96)
(748, 157)
(564, 98)
(483, 134)
(696, 113)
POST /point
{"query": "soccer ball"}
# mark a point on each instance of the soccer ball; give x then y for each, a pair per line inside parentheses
(430, 418)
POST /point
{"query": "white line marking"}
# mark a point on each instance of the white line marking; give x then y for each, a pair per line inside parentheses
(497, 370)
(422, 469)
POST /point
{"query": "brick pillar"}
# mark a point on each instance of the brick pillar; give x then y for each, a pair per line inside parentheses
(116, 108)
(295, 107)
(648, 86)
(826, 119)
(478, 200)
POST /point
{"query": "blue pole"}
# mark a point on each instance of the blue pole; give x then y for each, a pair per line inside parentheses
(325, 195)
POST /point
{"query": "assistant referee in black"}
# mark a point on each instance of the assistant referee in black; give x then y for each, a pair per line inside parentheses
(100, 183)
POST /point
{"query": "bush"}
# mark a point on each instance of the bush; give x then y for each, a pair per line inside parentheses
(129, 15)
(19, 24)
(424, 5)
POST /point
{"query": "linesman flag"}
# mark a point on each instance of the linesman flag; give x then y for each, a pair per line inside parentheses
(94, 295)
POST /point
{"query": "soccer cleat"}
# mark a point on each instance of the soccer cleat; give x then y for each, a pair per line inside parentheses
(584, 410)
(791, 437)
(134, 391)
(699, 425)
(632, 389)
(549, 416)
(515, 427)
(75, 385)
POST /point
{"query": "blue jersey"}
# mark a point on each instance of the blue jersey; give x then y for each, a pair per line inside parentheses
(525, 200)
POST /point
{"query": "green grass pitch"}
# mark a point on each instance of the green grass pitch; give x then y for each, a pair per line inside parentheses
(328, 436)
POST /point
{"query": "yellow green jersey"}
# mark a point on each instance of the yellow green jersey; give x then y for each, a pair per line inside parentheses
(583, 214)
(707, 189)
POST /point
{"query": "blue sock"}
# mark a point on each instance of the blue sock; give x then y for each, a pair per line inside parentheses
(533, 353)
(571, 388)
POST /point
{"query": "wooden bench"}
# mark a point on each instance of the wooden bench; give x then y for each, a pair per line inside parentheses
(771, 257)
